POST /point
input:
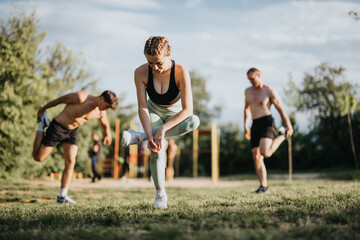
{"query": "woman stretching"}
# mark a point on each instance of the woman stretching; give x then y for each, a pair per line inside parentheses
(168, 112)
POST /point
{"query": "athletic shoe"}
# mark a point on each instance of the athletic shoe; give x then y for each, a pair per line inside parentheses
(282, 131)
(262, 189)
(132, 137)
(160, 201)
(44, 118)
(65, 199)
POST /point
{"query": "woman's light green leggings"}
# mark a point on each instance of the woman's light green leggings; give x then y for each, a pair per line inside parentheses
(158, 116)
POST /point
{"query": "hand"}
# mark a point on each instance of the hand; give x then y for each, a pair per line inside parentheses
(289, 132)
(151, 145)
(107, 139)
(159, 136)
(247, 134)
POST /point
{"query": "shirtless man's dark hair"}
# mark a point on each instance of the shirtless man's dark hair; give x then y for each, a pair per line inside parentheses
(251, 70)
(110, 98)
(79, 108)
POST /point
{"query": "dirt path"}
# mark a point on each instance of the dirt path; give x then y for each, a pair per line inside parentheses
(177, 182)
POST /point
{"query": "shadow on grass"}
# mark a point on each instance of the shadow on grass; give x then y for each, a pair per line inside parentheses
(326, 174)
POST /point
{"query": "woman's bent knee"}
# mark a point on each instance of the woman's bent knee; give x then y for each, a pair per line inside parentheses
(194, 122)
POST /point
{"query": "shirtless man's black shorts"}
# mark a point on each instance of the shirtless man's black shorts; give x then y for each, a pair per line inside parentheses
(57, 133)
(263, 127)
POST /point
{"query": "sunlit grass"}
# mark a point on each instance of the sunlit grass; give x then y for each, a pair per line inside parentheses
(305, 209)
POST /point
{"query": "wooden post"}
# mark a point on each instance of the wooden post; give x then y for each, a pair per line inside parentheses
(214, 153)
(195, 152)
(133, 151)
(290, 159)
(116, 168)
(218, 151)
(177, 163)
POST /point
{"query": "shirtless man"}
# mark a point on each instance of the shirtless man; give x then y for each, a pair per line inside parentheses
(258, 100)
(80, 107)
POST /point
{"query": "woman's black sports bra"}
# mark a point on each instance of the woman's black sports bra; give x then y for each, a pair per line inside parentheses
(170, 95)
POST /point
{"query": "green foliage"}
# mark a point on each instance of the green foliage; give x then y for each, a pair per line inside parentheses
(20, 81)
(201, 99)
(331, 102)
(323, 92)
(306, 209)
(355, 15)
(235, 151)
(206, 113)
(31, 76)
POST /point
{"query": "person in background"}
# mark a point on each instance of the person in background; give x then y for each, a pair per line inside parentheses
(95, 156)
(258, 100)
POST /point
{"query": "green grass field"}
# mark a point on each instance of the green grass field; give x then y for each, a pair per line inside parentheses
(305, 209)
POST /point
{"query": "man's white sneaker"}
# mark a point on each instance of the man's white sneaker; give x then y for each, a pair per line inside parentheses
(282, 131)
(132, 137)
(44, 119)
(160, 201)
(65, 199)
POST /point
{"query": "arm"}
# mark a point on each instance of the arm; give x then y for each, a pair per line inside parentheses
(140, 76)
(71, 98)
(186, 102)
(275, 99)
(247, 113)
(106, 126)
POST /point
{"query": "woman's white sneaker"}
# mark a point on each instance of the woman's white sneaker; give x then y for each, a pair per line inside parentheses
(160, 201)
(132, 137)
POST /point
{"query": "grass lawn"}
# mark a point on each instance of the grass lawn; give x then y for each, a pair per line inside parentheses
(305, 209)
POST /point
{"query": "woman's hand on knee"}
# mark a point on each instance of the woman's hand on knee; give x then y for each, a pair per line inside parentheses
(151, 145)
(159, 136)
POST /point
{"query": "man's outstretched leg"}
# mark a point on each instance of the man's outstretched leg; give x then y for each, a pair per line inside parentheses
(70, 152)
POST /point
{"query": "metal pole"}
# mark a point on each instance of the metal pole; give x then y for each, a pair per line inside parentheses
(116, 168)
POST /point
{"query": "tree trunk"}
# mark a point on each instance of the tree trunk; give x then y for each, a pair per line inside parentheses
(352, 142)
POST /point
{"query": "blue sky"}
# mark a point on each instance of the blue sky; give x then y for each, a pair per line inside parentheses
(221, 40)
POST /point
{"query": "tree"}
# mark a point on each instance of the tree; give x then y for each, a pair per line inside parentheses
(327, 96)
(201, 99)
(356, 15)
(206, 112)
(26, 81)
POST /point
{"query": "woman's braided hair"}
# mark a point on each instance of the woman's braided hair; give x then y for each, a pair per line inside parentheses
(156, 44)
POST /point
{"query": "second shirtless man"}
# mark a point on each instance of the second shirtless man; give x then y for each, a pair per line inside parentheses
(80, 107)
(258, 100)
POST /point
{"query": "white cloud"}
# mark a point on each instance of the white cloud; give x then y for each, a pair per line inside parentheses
(193, 3)
(131, 4)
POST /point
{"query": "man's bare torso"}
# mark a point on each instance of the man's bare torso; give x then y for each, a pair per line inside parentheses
(259, 100)
(74, 115)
